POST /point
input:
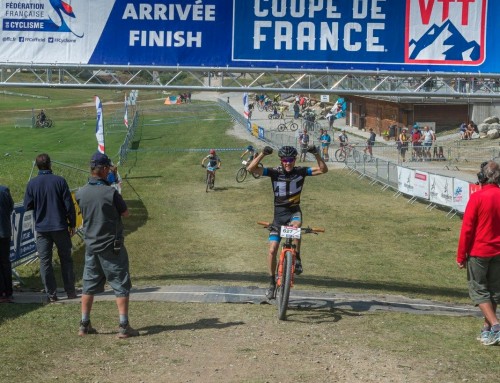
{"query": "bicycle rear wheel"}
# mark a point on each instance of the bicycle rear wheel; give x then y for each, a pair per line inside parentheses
(241, 175)
(283, 293)
(293, 126)
(356, 155)
(281, 127)
(340, 155)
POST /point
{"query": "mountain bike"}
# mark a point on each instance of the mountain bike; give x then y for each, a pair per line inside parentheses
(285, 125)
(242, 172)
(210, 178)
(47, 123)
(285, 269)
(344, 152)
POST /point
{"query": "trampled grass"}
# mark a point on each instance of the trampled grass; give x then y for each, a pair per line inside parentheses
(179, 234)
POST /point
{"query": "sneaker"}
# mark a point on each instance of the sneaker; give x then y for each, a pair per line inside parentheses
(298, 266)
(271, 290)
(492, 339)
(72, 295)
(125, 331)
(52, 298)
(483, 336)
(86, 328)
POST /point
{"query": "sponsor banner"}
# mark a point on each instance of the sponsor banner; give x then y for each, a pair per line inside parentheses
(398, 35)
(441, 190)
(23, 242)
(460, 194)
(406, 180)
(421, 184)
(262, 134)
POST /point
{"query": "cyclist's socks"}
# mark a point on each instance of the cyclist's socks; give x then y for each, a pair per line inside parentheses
(297, 256)
(273, 279)
(495, 327)
(85, 317)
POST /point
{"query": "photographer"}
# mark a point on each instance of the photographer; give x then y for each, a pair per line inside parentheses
(479, 249)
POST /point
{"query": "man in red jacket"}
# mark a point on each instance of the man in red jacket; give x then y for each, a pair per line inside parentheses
(479, 249)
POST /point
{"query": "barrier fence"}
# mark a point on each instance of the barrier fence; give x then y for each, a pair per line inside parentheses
(387, 167)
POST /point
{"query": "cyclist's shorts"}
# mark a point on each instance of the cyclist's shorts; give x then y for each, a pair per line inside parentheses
(211, 168)
(283, 217)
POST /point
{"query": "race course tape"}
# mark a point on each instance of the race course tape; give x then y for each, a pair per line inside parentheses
(176, 150)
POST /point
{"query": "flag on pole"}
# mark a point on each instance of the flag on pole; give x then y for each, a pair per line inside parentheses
(246, 110)
(99, 128)
(125, 118)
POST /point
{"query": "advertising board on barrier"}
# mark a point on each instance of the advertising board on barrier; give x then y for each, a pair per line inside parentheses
(397, 35)
(441, 190)
(405, 180)
(421, 184)
(460, 194)
(23, 242)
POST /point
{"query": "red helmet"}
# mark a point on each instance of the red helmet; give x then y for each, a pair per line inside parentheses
(212, 151)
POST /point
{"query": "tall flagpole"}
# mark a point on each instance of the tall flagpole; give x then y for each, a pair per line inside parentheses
(99, 128)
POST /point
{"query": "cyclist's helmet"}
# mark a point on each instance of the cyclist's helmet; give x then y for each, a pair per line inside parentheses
(212, 151)
(250, 147)
(287, 151)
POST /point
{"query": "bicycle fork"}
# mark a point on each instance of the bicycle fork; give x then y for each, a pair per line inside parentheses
(281, 264)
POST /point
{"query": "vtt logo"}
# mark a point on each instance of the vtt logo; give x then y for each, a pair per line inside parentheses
(445, 31)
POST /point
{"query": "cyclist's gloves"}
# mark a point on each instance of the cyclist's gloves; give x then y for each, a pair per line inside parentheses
(202, 165)
(267, 150)
(312, 150)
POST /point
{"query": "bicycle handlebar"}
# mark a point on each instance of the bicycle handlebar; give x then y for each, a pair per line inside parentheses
(305, 229)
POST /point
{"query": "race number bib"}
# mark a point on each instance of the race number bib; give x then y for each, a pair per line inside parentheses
(290, 232)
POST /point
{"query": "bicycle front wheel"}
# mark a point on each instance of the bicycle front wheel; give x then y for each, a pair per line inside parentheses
(283, 293)
(241, 175)
(356, 155)
(281, 127)
(340, 155)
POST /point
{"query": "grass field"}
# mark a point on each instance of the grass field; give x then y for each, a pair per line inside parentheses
(179, 234)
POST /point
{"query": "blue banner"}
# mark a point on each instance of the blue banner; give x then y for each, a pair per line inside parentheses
(397, 35)
(23, 243)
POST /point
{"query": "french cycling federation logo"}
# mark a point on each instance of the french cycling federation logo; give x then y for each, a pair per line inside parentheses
(62, 8)
(445, 31)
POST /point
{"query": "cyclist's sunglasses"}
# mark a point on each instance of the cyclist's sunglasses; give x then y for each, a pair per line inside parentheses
(287, 160)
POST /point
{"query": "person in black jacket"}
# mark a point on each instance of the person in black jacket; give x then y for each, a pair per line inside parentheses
(49, 197)
(6, 208)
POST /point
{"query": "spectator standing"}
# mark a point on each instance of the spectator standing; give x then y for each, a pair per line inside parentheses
(403, 144)
(49, 197)
(6, 208)
(106, 258)
(296, 110)
(479, 250)
(415, 143)
(304, 145)
(325, 140)
(369, 144)
(428, 139)
(330, 117)
(343, 139)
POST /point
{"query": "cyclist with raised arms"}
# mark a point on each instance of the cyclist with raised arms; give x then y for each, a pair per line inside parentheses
(212, 163)
(288, 181)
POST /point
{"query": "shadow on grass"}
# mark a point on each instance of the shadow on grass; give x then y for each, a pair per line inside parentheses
(201, 324)
(10, 311)
(308, 312)
(363, 286)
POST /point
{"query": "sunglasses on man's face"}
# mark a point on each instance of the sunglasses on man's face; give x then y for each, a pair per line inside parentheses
(288, 160)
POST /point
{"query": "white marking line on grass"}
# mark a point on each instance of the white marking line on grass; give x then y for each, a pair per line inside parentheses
(435, 306)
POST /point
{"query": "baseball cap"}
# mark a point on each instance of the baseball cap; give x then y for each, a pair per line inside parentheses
(99, 159)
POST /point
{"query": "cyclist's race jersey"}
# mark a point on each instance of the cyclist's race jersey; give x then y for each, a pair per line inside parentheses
(287, 186)
(212, 161)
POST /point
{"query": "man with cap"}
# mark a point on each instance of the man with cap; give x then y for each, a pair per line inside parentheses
(49, 197)
(106, 258)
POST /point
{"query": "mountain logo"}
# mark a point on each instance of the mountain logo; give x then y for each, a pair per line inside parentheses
(445, 31)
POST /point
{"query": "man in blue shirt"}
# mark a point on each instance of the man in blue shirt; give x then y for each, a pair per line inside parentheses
(54, 214)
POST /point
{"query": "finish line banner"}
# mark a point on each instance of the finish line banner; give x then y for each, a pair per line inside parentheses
(396, 35)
